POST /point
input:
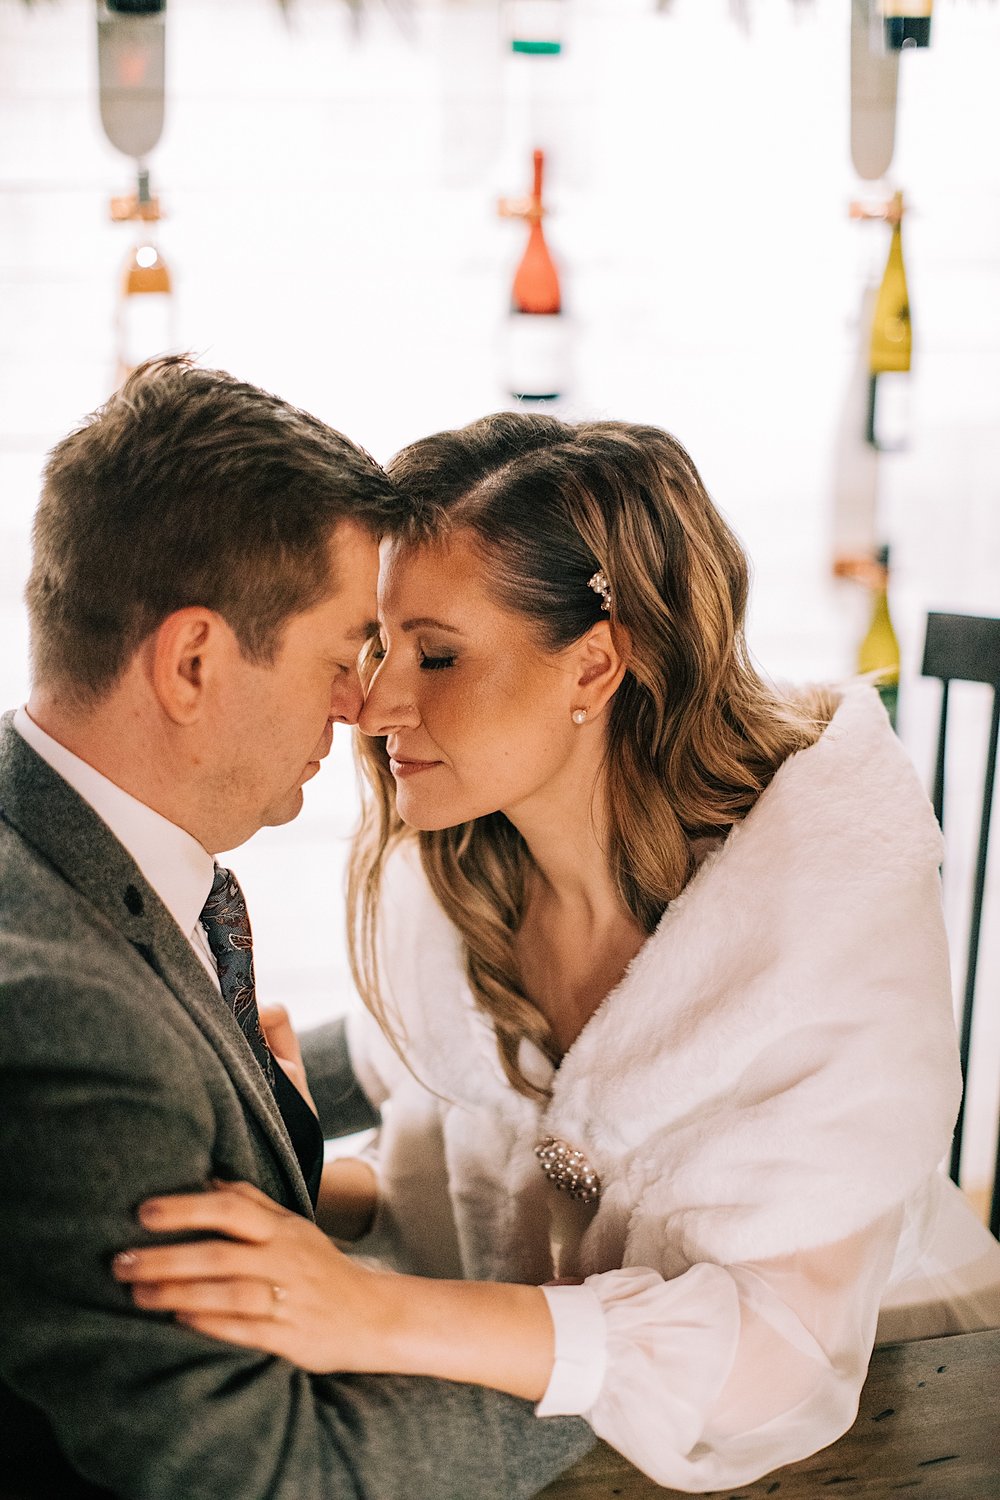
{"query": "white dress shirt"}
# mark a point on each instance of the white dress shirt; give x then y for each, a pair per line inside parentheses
(173, 862)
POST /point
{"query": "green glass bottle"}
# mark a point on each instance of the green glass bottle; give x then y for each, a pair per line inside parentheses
(536, 27)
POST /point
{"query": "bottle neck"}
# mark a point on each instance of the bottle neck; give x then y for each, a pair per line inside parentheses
(880, 607)
(895, 262)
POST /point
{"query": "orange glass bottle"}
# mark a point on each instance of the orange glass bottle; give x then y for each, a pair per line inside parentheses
(536, 353)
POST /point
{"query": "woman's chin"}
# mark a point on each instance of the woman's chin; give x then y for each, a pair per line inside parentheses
(421, 816)
(425, 822)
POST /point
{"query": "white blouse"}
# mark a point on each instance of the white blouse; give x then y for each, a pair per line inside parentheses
(725, 1373)
(766, 1097)
(713, 1377)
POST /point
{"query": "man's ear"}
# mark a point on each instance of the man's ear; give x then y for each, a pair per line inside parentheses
(601, 664)
(183, 653)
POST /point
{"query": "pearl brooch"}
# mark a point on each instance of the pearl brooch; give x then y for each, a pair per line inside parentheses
(568, 1170)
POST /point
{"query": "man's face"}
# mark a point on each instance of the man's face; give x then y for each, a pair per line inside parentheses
(281, 717)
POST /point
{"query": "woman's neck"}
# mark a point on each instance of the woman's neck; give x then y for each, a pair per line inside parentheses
(577, 937)
(566, 835)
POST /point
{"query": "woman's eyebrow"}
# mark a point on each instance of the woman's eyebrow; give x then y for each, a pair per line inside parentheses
(427, 622)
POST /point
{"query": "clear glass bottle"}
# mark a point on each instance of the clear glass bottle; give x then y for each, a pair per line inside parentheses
(145, 311)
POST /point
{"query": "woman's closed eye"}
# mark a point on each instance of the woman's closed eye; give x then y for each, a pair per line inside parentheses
(429, 661)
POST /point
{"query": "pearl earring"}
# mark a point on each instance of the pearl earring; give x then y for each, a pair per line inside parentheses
(579, 716)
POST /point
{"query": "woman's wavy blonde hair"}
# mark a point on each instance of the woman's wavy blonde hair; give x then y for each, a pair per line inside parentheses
(694, 734)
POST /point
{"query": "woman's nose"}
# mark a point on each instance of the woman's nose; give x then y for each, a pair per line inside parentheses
(386, 706)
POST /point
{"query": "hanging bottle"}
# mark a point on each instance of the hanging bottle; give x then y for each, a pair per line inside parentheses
(855, 463)
(144, 318)
(891, 344)
(906, 23)
(879, 649)
(874, 87)
(535, 26)
(536, 345)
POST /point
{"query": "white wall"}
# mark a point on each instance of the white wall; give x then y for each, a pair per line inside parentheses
(333, 237)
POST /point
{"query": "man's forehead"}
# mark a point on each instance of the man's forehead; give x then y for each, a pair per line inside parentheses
(358, 634)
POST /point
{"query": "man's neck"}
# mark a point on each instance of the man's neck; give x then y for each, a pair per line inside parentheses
(113, 739)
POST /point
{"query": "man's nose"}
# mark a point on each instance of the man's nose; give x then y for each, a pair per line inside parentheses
(347, 699)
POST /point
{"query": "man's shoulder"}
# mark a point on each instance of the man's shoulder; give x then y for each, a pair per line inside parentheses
(55, 947)
(36, 899)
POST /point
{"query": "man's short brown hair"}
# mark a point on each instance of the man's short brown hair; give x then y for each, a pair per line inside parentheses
(188, 487)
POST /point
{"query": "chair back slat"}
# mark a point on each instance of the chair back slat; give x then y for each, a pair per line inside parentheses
(942, 740)
(977, 907)
(967, 648)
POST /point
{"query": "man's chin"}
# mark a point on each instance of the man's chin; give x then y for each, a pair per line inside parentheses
(284, 811)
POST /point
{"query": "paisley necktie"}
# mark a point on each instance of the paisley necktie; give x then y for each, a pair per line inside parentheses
(225, 920)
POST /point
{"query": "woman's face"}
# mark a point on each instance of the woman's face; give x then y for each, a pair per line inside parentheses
(475, 714)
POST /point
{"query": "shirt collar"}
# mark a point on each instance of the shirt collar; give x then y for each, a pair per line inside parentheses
(173, 862)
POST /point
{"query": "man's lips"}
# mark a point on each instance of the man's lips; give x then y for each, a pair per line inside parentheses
(324, 750)
(314, 765)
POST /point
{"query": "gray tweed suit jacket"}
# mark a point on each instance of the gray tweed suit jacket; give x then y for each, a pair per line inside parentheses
(123, 1074)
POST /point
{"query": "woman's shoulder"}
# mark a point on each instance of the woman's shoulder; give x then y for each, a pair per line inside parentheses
(855, 787)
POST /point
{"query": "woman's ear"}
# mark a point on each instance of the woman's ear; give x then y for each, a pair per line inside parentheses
(601, 664)
(181, 659)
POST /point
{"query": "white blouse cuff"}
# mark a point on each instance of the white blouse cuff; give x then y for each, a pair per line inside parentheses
(581, 1351)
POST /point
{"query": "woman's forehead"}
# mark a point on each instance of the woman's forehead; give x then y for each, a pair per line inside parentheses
(450, 563)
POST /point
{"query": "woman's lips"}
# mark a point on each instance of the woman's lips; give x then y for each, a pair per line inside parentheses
(405, 768)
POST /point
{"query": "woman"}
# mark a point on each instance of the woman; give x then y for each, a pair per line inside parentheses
(659, 955)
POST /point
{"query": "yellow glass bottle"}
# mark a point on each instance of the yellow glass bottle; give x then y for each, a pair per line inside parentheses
(879, 650)
(892, 337)
(891, 348)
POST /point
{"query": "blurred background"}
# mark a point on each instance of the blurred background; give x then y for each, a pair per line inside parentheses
(319, 214)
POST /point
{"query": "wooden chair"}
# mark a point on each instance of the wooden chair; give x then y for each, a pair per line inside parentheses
(966, 648)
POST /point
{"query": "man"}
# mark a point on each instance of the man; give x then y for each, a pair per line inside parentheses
(203, 578)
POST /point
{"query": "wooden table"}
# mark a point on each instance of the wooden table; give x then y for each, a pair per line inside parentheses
(928, 1425)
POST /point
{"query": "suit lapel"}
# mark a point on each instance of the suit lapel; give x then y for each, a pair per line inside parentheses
(66, 831)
